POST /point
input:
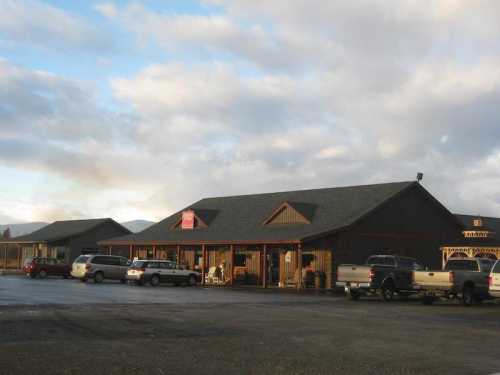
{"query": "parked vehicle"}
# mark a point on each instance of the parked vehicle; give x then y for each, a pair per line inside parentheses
(43, 267)
(388, 274)
(462, 277)
(161, 271)
(494, 281)
(100, 267)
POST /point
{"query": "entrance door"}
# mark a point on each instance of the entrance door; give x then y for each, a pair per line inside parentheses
(273, 268)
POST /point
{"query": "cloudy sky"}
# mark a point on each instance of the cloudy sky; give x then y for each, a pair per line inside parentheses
(135, 109)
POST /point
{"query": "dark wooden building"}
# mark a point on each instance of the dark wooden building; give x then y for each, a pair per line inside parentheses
(64, 240)
(270, 239)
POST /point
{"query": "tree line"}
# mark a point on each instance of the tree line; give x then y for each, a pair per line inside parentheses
(5, 235)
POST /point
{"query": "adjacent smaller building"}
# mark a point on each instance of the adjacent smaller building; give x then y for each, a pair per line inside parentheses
(480, 238)
(64, 240)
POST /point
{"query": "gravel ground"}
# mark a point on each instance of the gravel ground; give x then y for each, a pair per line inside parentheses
(242, 332)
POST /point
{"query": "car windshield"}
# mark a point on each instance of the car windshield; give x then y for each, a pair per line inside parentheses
(138, 264)
(496, 269)
(461, 265)
(82, 259)
(486, 265)
(380, 261)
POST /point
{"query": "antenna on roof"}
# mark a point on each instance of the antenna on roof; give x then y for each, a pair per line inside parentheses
(420, 176)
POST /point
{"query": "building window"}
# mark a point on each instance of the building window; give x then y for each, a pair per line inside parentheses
(307, 260)
(240, 260)
(60, 253)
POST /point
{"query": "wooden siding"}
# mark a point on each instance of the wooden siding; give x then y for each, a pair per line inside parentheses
(120, 250)
(408, 225)
(287, 215)
(166, 252)
(253, 263)
(187, 256)
(88, 240)
(322, 262)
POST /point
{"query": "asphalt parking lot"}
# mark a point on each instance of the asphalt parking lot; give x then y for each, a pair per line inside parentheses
(18, 290)
(63, 327)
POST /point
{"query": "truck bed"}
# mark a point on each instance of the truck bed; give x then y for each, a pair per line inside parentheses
(354, 273)
(440, 280)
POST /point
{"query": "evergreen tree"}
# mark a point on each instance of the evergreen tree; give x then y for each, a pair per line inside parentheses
(6, 234)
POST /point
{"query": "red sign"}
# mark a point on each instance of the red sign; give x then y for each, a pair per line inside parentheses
(187, 219)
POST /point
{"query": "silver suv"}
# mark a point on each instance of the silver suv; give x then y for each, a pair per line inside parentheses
(100, 267)
(161, 271)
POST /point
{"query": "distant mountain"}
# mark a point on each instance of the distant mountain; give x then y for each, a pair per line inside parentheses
(25, 228)
(20, 229)
(137, 225)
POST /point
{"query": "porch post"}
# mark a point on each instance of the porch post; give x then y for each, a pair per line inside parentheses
(231, 272)
(130, 252)
(203, 262)
(264, 266)
(5, 256)
(299, 265)
(110, 249)
(154, 251)
(19, 251)
(178, 254)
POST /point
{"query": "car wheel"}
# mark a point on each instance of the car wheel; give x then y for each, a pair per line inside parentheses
(42, 274)
(98, 278)
(355, 294)
(192, 280)
(155, 280)
(428, 300)
(32, 275)
(388, 291)
(468, 296)
(139, 282)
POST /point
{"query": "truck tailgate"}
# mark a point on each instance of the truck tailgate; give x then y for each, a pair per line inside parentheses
(433, 280)
(351, 272)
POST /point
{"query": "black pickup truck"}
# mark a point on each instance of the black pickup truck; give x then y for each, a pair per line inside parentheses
(388, 274)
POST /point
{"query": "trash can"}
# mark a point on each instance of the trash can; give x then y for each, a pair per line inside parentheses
(319, 280)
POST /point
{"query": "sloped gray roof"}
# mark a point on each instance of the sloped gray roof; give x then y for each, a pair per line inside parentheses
(240, 218)
(60, 230)
(489, 223)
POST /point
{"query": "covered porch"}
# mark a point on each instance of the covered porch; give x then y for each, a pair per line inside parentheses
(284, 265)
(13, 254)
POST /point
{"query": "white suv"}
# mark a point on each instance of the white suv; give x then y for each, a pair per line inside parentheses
(161, 271)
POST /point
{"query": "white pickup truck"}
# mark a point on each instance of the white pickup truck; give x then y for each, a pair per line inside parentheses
(467, 278)
(494, 281)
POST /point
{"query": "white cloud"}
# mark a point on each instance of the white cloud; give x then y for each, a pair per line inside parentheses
(258, 97)
(332, 152)
(107, 9)
(37, 23)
